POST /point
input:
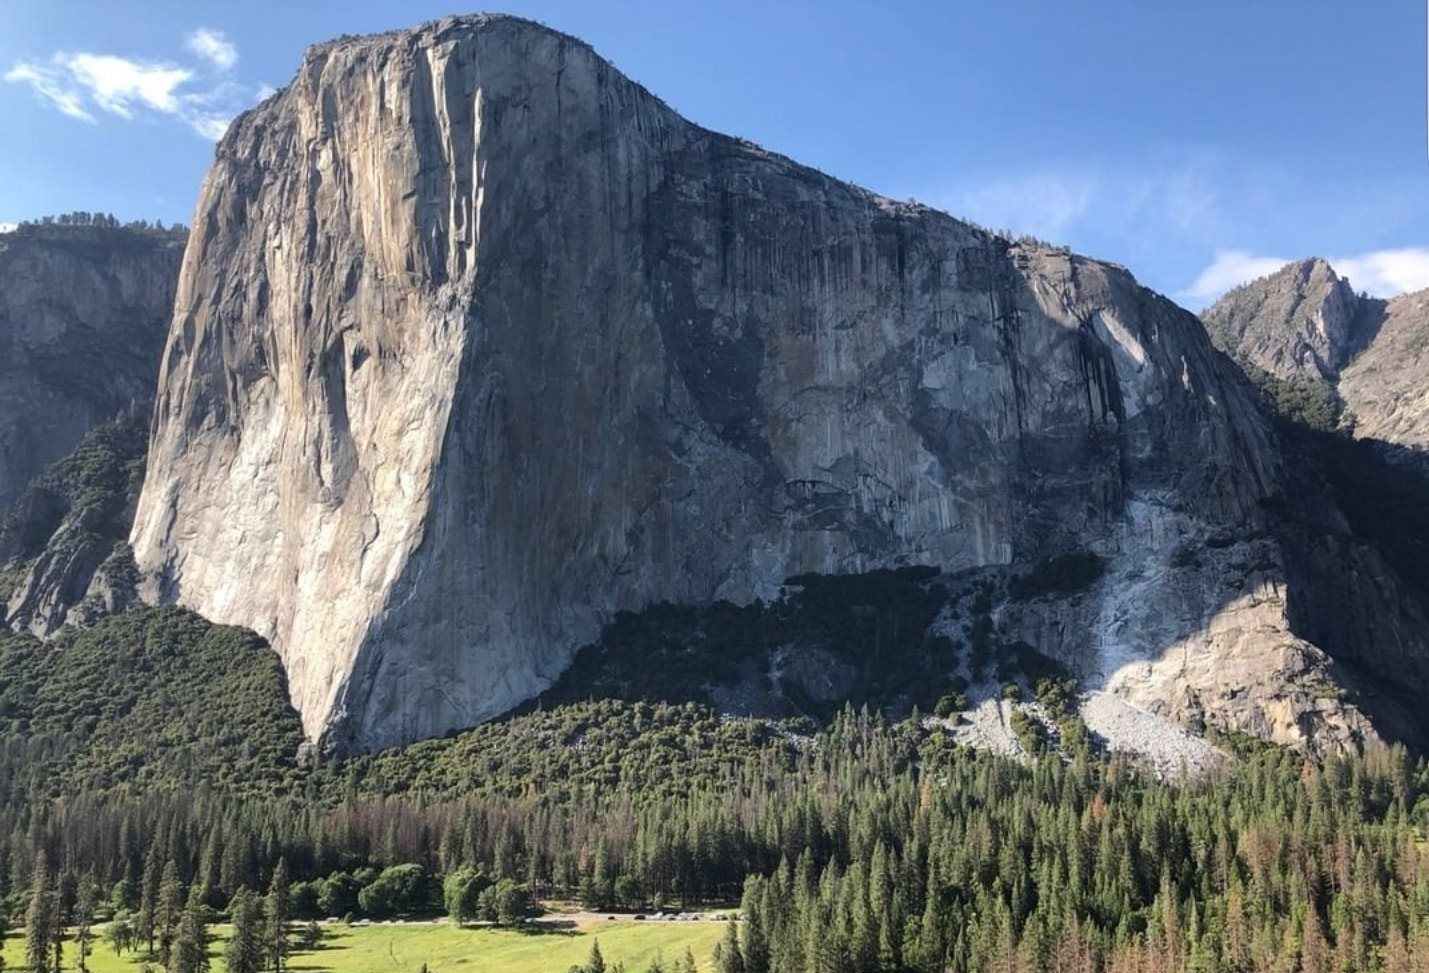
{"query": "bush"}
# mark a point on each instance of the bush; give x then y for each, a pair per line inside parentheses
(1029, 731)
(1055, 695)
(337, 894)
(400, 890)
(461, 891)
(950, 704)
(505, 903)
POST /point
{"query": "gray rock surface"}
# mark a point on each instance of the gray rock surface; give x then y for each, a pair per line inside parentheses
(1386, 386)
(478, 342)
(84, 312)
(62, 543)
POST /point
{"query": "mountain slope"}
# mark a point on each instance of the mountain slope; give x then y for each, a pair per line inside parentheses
(1385, 386)
(1303, 322)
(538, 350)
(150, 700)
(1305, 325)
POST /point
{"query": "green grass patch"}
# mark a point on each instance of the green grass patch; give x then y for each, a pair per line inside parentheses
(443, 947)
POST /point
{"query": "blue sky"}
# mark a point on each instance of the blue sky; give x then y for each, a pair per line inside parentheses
(1198, 143)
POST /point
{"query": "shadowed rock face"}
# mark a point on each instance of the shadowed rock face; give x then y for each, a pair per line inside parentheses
(478, 342)
(83, 315)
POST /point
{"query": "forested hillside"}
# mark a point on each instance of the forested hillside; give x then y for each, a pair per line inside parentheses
(865, 846)
(155, 700)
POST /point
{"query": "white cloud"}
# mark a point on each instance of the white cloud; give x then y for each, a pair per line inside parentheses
(119, 85)
(85, 85)
(1385, 273)
(1381, 273)
(51, 87)
(8, 227)
(1228, 270)
(213, 47)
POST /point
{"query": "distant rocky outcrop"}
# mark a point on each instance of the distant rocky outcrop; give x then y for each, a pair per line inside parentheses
(477, 343)
(1306, 325)
(84, 310)
(63, 543)
(83, 315)
(1303, 322)
(1348, 372)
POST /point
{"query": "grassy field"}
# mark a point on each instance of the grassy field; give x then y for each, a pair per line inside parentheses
(404, 947)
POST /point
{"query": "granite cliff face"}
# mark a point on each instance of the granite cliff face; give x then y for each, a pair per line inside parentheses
(477, 342)
(84, 311)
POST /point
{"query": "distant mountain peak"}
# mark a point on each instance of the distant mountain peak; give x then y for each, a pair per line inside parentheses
(1302, 323)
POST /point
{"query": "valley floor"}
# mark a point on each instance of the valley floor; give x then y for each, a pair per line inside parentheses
(550, 946)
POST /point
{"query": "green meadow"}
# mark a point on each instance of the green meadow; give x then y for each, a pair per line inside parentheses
(405, 947)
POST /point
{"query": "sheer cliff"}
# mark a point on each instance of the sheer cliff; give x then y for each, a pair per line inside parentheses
(84, 311)
(477, 343)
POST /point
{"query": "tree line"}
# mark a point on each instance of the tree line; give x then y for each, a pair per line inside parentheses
(869, 847)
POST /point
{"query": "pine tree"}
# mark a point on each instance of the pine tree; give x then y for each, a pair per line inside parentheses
(84, 906)
(190, 952)
(149, 900)
(38, 918)
(275, 917)
(731, 959)
(755, 939)
(168, 910)
(245, 952)
(596, 962)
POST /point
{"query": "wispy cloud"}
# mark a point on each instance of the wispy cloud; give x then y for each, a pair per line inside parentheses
(1060, 203)
(1229, 270)
(52, 88)
(1382, 273)
(86, 85)
(1385, 273)
(1200, 215)
(213, 47)
(1044, 204)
